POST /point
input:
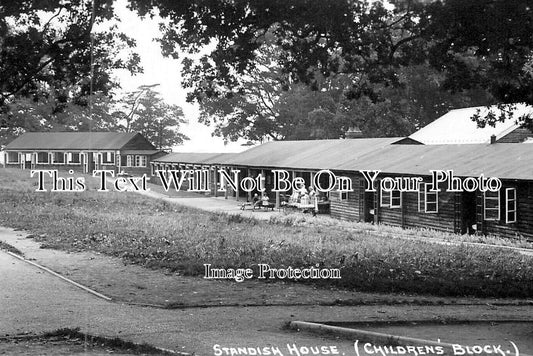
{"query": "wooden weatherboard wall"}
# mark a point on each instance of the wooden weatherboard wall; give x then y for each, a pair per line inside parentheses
(450, 215)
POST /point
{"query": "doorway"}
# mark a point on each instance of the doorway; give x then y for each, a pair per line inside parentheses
(368, 207)
(468, 203)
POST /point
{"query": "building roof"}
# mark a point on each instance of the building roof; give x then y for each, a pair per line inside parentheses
(71, 141)
(502, 160)
(457, 126)
(141, 152)
(307, 154)
(194, 158)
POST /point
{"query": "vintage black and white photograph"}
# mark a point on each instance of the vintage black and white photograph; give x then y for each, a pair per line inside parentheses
(266, 177)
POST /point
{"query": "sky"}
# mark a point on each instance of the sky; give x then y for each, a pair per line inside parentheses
(166, 73)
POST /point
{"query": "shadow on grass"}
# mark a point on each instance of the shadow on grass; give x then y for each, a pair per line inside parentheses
(76, 337)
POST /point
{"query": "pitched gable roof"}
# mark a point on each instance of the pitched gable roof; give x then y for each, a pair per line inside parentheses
(71, 141)
(457, 126)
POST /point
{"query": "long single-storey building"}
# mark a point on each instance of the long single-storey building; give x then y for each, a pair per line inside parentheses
(507, 212)
(181, 161)
(300, 158)
(82, 151)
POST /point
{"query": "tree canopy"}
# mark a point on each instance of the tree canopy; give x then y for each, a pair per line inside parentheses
(290, 69)
(53, 55)
(56, 64)
(156, 120)
(471, 52)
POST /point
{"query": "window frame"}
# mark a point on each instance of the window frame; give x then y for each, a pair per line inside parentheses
(17, 154)
(383, 194)
(515, 206)
(390, 197)
(70, 155)
(343, 195)
(53, 157)
(106, 155)
(424, 192)
(486, 209)
(143, 160)
(45, 154)
(399, 198)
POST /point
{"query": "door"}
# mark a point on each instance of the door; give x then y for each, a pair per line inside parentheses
(84, 159)
(33, 160)
(468, 203)
(368, 207)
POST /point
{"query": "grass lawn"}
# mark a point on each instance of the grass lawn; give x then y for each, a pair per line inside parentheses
(163, 235)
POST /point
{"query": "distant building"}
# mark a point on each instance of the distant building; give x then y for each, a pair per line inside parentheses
(457, 127)
(81, 151)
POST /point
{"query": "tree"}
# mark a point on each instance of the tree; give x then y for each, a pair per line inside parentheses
(157, 121)
(487, 45)
(51, 55)
(478, 46)
(269, 106)
(353, 37)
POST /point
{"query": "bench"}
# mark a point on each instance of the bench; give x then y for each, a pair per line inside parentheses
(258, 206)
(266, 206)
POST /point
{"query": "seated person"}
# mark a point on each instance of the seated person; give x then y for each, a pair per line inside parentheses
(312, 193)
(265, 200)
(305, 200)
(255, 200)
(294, 197)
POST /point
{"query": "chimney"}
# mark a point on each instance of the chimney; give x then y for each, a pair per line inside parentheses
(492, 139)
(353, 132)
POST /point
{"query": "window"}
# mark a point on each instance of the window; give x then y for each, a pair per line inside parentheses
(343, 187)
(12, 157)
(428, 201)
(396, 199)
(492, 205)
(391, 199)
(510, 204)
(108, 158)
(140, 161)
(73, 158)
(135, 161)
(42, 157)
(118, 160)
(57, 157)
(384, 200)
